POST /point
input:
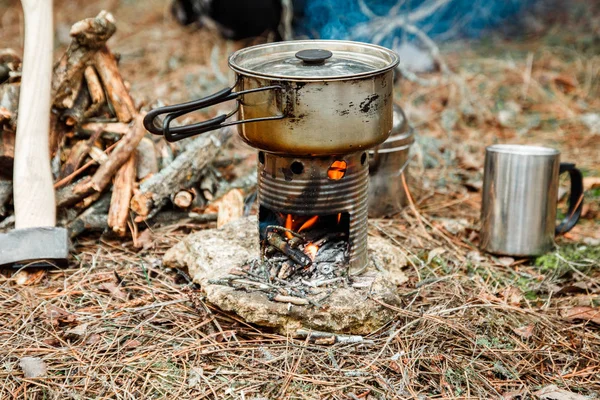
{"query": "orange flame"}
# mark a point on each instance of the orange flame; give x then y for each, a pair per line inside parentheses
(339, 217)
(337, 170)
(308, 223)
(311, 250)
(288, 225)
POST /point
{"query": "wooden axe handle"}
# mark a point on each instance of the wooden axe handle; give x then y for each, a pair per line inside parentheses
(35, 204)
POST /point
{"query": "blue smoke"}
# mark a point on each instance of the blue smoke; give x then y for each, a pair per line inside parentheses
(337, 19)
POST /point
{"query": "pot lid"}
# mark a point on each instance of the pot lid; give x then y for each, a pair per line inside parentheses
(313, 60)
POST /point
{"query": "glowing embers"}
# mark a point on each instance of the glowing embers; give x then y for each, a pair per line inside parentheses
(297, 248)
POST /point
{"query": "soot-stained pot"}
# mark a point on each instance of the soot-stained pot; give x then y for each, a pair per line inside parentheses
(309, 98)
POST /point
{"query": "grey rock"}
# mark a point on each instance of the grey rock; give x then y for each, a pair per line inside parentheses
(33, 367)
(592, 121)
(210, 255)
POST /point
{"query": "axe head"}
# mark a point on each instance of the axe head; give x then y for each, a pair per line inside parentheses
(34, 246)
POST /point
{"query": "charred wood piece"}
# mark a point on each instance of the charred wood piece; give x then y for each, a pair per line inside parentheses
(282, 245)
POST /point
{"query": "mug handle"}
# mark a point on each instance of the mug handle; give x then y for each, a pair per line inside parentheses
(575, 198)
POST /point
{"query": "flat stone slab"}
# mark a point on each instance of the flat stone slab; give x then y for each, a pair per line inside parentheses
(212, 254)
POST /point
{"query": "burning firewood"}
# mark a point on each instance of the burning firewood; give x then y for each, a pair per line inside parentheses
(282, 245)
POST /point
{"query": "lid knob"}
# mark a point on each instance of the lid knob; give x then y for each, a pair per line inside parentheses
(314, 56)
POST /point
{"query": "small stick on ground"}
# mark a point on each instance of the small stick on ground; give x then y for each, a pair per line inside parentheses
(290, 299)
(121, 196)
(305, 333)
(117, 93)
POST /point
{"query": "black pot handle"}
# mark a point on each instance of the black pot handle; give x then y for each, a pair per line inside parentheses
(177, 110)
(575, 198)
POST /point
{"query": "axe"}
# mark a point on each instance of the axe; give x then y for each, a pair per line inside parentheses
(35, 237)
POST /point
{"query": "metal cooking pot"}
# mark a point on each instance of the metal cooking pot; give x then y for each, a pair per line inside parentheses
(307, 97)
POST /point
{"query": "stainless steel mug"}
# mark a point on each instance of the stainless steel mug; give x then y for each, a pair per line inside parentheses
(520, 195)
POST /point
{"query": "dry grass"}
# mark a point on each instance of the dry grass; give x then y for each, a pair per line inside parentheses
(471, 327)
(116, 324)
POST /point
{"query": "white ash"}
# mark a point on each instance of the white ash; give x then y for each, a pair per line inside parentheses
(330, 262)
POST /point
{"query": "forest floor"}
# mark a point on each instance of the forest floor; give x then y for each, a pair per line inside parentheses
(117, 324)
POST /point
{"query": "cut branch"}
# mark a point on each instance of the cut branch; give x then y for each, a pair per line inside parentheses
(9, 105)
(146, 161)
(183, 172)
(74, 115)
(7, 153)
(72, 194)
(88, 36)
(5, 195)
(94, 218)
(78, 153)
(121, 196)
(96, 91)
(117, 93)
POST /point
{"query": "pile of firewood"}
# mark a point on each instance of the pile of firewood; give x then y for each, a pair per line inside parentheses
(110, 173)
